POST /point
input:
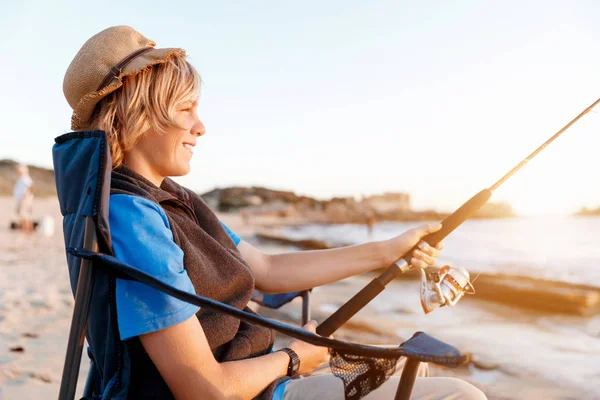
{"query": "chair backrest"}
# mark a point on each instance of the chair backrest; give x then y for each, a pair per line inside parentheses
(82, 165)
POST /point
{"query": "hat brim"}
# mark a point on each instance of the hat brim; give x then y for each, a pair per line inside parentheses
(85, 108)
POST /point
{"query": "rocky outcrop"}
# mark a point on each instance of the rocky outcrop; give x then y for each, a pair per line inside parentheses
(588, 211)
(235, 198)
(263, 201)
(370, 209)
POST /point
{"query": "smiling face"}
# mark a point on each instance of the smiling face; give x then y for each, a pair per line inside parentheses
(151, 122)
(159, 154)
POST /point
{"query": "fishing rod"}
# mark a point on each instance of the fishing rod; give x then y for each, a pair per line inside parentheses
(456, 280)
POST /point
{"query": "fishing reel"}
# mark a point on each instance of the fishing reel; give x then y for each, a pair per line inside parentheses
(444, 287)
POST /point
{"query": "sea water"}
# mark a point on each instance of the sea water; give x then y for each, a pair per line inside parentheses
(563, 248)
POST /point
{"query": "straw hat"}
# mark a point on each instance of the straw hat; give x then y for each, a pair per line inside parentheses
(102, 62)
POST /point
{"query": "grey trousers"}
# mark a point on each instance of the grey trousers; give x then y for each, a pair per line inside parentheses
(322, 385)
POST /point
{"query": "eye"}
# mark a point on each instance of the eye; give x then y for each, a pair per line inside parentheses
(187, 107)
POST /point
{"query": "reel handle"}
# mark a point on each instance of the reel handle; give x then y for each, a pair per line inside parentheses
(376, 286)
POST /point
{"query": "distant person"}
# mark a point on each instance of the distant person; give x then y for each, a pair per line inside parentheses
(23, 194)
(368, 216)
(245, 216)
(370, 221)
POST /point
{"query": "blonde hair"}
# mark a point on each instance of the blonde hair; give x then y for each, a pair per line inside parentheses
(147, 100)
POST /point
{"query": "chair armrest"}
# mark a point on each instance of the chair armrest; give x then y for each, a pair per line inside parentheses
(275, 300)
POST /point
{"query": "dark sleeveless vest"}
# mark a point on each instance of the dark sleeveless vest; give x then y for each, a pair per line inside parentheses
(216, 270)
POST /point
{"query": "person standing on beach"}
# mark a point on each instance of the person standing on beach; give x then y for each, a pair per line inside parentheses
(368, 215)
(23, 195)
(145, 100)
(369, 221)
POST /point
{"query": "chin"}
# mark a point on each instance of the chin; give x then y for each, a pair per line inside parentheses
(181, 170)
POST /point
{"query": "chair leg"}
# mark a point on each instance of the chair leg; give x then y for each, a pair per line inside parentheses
(407, 380)
(83, 299)
(305, 307)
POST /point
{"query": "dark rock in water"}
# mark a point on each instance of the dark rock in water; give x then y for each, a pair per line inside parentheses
(483, 364)
(31, 335)
(17, 349)
(402, 310)
(538, 294)
(303, 244)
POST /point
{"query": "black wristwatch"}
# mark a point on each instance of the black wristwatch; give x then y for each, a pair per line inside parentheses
(294, 364)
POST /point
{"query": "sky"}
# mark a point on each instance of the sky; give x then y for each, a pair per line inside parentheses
(346, 98)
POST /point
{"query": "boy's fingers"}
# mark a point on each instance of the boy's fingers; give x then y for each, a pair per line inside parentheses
(426, 229)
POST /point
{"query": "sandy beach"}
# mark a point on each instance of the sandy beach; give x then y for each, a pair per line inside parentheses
(517, 353)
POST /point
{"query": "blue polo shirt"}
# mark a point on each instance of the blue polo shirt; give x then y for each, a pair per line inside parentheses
(142, 237)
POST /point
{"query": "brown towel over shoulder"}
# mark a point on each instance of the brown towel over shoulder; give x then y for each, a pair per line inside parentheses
(216, 270)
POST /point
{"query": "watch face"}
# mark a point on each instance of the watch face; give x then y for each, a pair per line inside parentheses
(294, 364)
(295, 367)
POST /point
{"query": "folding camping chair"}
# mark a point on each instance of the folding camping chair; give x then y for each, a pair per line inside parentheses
(83, 168)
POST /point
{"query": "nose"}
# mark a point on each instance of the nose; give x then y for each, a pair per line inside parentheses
(198, 128)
